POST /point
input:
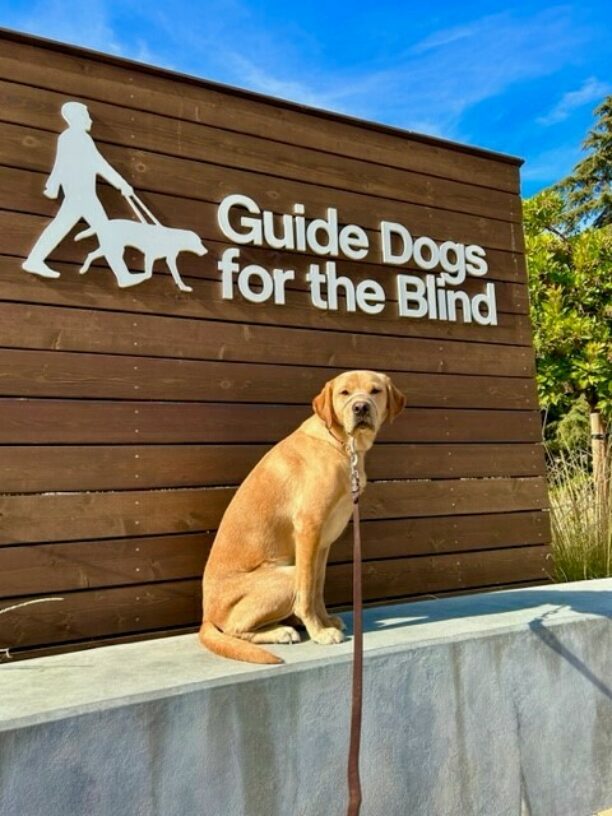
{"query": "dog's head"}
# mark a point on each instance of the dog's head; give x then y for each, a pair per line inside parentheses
(194, 243)
(357, 403)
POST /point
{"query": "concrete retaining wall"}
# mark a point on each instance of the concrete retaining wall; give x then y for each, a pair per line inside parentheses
(498, 704)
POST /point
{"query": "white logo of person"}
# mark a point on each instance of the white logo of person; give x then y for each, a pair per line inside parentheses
(77, 165)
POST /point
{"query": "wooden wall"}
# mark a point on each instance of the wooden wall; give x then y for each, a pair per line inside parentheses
(127, 417)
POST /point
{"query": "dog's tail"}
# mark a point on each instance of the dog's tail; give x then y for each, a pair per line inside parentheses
(233, 647)
(84, 234)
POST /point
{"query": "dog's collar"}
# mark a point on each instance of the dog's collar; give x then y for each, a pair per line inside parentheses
(344, 446)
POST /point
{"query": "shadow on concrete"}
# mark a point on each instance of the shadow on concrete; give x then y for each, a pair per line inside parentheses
(589, 602)
(595, 602)
(548, 637)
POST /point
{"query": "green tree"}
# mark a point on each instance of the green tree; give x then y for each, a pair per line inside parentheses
(588, 189)
(570, 288)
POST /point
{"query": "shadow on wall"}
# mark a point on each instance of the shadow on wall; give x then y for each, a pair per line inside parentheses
(595, 602)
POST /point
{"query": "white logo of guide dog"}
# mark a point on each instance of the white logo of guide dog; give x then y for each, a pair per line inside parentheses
(78, 163)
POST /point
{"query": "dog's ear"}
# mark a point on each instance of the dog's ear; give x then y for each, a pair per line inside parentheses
(323, 404)
(395, 401)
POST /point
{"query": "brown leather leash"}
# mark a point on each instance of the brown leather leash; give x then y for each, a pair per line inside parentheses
(354, 781)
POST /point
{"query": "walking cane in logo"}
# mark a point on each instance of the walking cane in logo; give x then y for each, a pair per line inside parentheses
(78, 163)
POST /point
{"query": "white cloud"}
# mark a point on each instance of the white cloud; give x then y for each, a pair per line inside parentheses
(445, 36)
(86, 24)
(430, 85)
(592, 90)
(248, 74)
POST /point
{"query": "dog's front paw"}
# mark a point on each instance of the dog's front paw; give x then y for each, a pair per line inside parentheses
(287, 634)
(328, 636)
(336, 622)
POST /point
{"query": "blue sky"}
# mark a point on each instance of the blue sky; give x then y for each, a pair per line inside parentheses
(522, 78)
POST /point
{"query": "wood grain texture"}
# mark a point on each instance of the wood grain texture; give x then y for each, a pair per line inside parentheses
(159, 296)
(78, 374)
(71, 516)
(65, 567)
(133, 87)
(155, 173)
(46, 468)
(53, 421)
(89, 614)
(154, 134)
(20, 197)
(20, 191)
(87, 330)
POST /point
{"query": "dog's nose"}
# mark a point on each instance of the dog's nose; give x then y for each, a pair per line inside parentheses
(360, 408)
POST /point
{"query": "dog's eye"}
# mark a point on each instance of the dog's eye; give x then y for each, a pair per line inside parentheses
(375, 390)
(344, 392)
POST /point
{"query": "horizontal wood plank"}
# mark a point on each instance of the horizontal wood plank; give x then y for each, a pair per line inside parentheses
(69, 329)
(114, 125)
(399, 577)
(397, 538)
(50, 421)
(49, 568)
(93, 613)
(93, 643)
(45, 468)
(71, 516)
(159, 296)
(65, 567)
(101, 376)
(33, 149)
(21, 191)
(203, 102)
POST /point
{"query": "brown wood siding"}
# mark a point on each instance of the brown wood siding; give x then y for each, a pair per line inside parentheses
(128, 417)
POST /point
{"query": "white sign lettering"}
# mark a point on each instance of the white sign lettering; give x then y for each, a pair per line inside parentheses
(243, 222)
(432, 295)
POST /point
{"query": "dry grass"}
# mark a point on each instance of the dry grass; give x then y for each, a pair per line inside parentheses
(581, 519)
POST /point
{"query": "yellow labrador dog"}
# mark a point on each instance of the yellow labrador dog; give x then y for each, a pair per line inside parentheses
(267, 563)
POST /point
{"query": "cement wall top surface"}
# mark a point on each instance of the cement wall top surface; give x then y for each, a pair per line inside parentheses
(52, 688)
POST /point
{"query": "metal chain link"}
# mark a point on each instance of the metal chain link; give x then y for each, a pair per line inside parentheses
(354, 463)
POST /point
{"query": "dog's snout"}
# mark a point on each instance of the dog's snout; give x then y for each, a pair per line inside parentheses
(361, 408)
